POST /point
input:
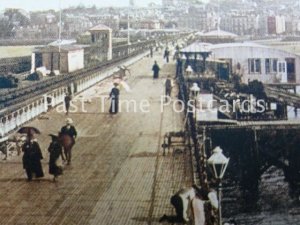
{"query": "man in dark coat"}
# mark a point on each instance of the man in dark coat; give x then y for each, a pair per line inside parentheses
(55, 150)
(69, 129)
(168, 86)
(151, 51)
(67, 101)
(68, 135)
(114, 96)
(155, 69)
(32, 158)
(166, 54)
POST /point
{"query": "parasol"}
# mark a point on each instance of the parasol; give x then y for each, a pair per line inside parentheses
(29, 131)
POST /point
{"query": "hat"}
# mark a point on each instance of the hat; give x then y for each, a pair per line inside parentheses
(69, 121)
(53, 136)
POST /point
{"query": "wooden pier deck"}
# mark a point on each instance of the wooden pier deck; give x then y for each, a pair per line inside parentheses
(118, 174)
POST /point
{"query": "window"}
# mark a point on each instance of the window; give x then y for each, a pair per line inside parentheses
(275, 65)
(254, 65)
(257, 66)
(267, 65)
(281, 66)
(271, 66)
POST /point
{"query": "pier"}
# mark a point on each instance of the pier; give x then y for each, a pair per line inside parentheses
(118, 174)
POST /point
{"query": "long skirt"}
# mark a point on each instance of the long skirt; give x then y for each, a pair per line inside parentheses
(54, 168)
(33, 166)
(114, 106)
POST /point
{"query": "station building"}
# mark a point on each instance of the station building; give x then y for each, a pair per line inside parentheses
(91, 48)
(65, 58)
(252, 61)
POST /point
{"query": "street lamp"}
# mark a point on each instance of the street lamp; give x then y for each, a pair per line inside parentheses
(195, 91)
(189, 71)
(218, 163)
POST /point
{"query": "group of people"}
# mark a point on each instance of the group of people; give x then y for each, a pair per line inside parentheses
(115, 92)
(33, 155)
(168, 82)
(191, 204)
(155, 67)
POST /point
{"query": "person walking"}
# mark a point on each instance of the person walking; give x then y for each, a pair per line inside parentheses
(151, 51)
(69, 129)
(55, 150)
(155, 69)
(68, 134)
(114, 96)
(167, 54)
(32, 158)
(67, 101)
(168, 86)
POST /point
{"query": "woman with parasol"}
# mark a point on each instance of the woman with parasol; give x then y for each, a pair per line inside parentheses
(32, 154)
(55, 150)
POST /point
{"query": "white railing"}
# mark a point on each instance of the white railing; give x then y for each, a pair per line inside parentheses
(13, 120)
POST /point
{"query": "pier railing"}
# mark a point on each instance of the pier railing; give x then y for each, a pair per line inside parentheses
(37, 99)
(198, 140)
(20, 105)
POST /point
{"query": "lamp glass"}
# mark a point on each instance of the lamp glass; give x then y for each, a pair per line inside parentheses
(218, 162)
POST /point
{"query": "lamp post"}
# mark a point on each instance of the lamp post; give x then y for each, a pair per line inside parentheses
(218, 163)
(195, 90)
(128, 25)
(189, 71)
(59, 37)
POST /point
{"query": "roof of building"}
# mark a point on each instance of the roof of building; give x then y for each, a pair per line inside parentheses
(87, 33)
(197, 47)
(199, 33)
(99, 27)
(239, 44)
(62, 42)
(62, 48)
(219, 33)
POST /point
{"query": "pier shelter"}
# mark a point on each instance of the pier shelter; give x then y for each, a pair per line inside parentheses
(254, 62)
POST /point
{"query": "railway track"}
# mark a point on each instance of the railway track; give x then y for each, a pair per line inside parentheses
(19, 95)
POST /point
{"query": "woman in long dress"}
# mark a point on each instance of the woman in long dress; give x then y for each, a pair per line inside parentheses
(32, 158)
(114, 96)
(55, 150)
(155, 69)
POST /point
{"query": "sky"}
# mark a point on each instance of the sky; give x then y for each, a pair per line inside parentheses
(33, 5)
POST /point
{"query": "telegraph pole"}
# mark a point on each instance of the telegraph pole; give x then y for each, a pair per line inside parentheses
(59, 35)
